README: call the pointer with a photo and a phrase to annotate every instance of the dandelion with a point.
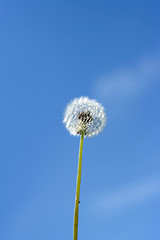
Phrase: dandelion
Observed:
(83, 117)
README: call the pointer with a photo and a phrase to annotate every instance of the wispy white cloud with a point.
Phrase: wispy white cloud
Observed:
(130, 82)
(128, 196)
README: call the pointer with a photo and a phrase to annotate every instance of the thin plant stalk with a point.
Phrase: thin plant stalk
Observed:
(76, 209)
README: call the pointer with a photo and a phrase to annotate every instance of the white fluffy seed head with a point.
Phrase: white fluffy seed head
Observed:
(84, 115)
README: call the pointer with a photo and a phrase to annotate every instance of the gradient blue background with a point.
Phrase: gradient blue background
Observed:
(50, 53)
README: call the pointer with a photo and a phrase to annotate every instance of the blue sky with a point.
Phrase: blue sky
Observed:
(50, 53)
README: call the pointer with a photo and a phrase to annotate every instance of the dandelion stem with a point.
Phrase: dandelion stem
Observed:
(76, 209)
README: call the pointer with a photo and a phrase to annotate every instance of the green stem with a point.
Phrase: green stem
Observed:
(76, 209)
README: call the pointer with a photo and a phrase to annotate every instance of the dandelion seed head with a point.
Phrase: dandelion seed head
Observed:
(84, 115)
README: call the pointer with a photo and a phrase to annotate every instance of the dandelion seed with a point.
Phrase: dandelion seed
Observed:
(84, 115)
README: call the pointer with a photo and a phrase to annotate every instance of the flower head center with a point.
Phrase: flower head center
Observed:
(85, 117)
